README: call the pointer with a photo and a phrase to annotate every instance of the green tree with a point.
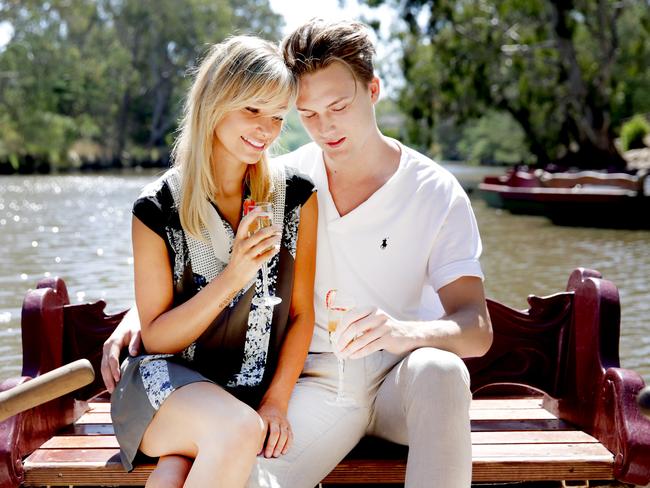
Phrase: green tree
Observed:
(565, 70)
(113, 72)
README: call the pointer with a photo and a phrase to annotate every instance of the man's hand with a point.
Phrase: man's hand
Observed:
(278, 436)
(127, 334)
(366, 330)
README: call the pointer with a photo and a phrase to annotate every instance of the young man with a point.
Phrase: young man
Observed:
(396, 232)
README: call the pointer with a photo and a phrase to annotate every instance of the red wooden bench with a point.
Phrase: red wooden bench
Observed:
(550, 400)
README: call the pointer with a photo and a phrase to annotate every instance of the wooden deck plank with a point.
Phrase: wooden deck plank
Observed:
(94, 417)
(516, 437)
(491, 463)
(577, 452)
(477, 426)
(480, 403)
(513, 440)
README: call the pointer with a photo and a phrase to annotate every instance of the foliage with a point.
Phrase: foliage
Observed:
(633, 132)
(113, 72)
(293, 134)
(492, 139)
(567, 71)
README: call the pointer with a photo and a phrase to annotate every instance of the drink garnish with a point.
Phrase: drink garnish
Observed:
(329, 298)
(248, 204)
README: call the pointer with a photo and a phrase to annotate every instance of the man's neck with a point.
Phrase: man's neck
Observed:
(356, 178)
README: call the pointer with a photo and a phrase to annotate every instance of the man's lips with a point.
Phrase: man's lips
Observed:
(258, 145)
(336, 143)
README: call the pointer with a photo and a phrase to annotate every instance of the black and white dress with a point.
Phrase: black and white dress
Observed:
(239, 350)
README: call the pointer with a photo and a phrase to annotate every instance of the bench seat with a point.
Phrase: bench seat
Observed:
(512, 440)
(551, 402)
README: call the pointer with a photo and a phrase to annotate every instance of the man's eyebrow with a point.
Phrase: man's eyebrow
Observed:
(338, 100)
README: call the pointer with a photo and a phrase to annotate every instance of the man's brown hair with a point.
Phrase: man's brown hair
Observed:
(317, 43)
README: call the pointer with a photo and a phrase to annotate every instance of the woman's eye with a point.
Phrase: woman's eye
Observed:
(252, 110)
(278, 118)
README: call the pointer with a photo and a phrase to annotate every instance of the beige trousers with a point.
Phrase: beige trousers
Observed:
(421, 401)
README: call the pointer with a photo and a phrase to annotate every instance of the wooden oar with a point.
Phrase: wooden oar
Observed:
(644, 401)
(46, 387)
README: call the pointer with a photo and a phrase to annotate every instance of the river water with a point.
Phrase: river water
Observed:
(78, 227)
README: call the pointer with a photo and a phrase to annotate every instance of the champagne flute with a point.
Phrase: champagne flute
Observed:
(338, 303)
(264, 219)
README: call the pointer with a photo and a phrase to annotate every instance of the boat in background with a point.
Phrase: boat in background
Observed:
(583, 199)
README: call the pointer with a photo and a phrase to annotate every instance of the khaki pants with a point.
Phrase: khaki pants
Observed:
(421, 401)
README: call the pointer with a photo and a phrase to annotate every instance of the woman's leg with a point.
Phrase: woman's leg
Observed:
(170, 472)
(204, 422)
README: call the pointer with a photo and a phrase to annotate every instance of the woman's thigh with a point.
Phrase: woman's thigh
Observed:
(195, 413)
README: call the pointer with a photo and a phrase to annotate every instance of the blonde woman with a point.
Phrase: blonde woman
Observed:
(213, 388)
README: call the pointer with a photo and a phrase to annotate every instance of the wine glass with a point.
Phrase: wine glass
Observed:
(338, 303)
(264, 219)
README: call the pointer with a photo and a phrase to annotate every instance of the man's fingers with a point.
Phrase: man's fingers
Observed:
(374, 346)
(107, 375)
(362, 341)
(134, 343)
(356, 322)
(274, 435)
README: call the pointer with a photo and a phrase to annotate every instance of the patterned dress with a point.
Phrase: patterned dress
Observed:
(239, 350)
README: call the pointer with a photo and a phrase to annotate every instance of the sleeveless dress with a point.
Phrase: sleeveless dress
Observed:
(239, 350)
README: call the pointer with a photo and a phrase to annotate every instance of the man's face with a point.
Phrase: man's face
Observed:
(337, 110)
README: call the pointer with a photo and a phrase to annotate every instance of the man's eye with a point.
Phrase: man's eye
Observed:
(253, 110)
(309, 116)
(339, 109)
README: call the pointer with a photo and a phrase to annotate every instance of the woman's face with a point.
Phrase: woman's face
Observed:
(243, 135)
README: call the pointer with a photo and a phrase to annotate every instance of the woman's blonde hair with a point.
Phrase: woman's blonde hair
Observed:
(238, 72)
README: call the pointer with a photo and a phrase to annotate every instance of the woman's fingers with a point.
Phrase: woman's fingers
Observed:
(274, 436)
(285, 441)
(246, 223)
(266, 431)
(279, 438)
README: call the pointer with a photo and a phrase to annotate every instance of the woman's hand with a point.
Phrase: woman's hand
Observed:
(249, 253)
(278, 436)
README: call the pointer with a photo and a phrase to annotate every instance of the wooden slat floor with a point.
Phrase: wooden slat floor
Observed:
(512, 440)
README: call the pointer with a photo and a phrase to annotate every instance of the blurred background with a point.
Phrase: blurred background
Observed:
(91, 91)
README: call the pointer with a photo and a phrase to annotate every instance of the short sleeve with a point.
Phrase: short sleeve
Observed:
(299, 187)
(148, 208)
(457, 247)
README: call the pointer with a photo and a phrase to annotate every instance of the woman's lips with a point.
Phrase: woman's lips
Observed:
(254, 144)
(337, 143)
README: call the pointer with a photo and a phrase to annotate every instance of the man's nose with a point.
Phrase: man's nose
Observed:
(326, 125)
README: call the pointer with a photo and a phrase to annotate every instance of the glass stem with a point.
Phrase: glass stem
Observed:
(339, 389)
(265, 285)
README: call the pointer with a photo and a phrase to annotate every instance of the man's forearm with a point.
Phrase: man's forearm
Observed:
(467, 332)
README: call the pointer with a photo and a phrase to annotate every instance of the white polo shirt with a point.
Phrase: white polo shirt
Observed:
(414, 235)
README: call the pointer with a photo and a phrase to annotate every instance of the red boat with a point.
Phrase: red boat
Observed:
(587, 198)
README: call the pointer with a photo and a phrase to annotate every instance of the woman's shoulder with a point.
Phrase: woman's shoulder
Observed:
(155, 202)
(160, 186)
(299, 185)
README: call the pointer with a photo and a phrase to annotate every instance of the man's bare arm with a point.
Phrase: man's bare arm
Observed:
(126, 334)
(465, 329)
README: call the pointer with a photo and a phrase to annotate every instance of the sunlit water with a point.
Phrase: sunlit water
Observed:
(78, 227)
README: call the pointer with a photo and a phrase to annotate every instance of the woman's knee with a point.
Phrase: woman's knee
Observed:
(239, 434)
